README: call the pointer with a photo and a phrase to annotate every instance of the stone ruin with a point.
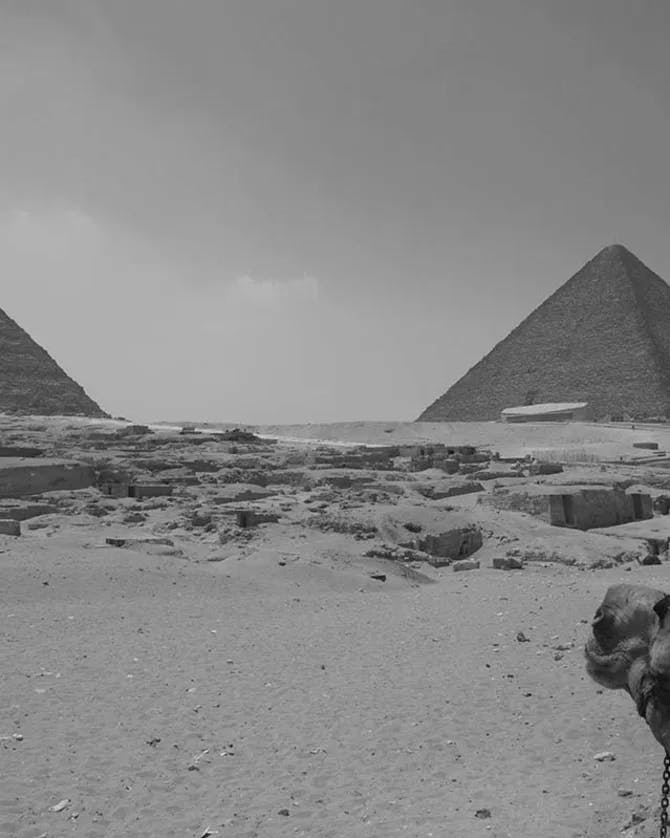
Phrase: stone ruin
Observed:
(578, 507)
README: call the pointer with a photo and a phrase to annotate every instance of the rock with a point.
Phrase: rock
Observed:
(508, 563)
(135, 518)
(466, 564)
(9, 527)
(455, 543)
(31, 477)
(448, 489)
(19, 451)
(483, 813)
(22, 511)
(134, 430)
(448, 464)
(489, 474)
(252, 518)
(284, 812)
(58, 807)
(625, 792)
(201, 518)
(521, 637)
(238, 435)
(544, 468)
(235, 492)
(650, 559)
(604, 756)
(135, 542)
(380, 577)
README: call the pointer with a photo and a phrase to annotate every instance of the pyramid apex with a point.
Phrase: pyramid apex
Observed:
(615, 249)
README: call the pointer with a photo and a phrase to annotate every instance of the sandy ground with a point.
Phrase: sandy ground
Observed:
(281, 691)
(163, 698)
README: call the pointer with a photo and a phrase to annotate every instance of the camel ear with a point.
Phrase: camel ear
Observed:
(662, 606)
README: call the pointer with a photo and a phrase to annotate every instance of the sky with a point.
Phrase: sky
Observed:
(288, 211)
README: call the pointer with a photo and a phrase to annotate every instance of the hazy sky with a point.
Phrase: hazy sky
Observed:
(316, 210)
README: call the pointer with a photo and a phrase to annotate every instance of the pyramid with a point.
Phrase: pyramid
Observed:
(603, 338)
(32, 382)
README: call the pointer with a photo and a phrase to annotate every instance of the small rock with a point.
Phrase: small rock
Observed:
(635, 820)
(18, 737)
(521, 637)
(508, 563)
(483, 813)
(58, 807)
(466, 564)
(625, 792)
(380, 577)
(604, 756)
(284, 812)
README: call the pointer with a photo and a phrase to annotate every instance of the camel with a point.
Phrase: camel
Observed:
(629, 649)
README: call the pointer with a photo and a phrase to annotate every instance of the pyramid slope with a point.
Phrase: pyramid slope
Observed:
(32, 382)
(603, 338)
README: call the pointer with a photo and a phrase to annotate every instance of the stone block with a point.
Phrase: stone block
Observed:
(457, 543)
(466, 564)
(149, 490)
(544, 468)
(252, 518)
(20, 477)
(9, 527)
(235, 492)
(508, 563)
(447, 464)
(23, 511)
(19, 451)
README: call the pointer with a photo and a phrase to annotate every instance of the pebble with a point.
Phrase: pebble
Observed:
(604, 756)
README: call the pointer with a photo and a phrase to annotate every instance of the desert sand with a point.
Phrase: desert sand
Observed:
(263, 682)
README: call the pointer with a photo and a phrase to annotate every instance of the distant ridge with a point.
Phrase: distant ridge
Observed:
(32, 382)
(603, 338)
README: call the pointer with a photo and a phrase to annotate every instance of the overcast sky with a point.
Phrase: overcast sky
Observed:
(316, 210)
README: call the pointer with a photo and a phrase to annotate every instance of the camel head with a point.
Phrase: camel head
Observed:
(629, 649)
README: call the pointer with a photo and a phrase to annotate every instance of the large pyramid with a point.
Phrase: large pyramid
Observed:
(602, 338)
(32, 382)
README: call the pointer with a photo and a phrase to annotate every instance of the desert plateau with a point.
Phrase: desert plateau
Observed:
(361, 629)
